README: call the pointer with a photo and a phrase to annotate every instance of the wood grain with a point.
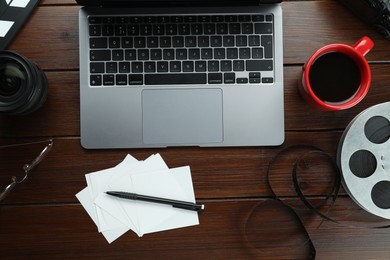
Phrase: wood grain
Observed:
(42, 219)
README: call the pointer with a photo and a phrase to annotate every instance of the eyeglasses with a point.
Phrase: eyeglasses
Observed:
(27, 167)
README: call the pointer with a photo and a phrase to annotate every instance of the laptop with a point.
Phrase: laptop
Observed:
(167, 73)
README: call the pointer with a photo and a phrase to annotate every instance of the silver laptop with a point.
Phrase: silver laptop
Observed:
(181, 73)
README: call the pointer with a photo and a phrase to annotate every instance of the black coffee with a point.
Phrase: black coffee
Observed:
(334, 77)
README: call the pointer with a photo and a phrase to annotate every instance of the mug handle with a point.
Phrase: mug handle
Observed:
(364, 45)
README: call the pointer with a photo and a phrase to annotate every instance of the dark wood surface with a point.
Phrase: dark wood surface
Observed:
(42, 218)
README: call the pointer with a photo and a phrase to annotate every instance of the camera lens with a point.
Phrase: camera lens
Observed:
(23, 86)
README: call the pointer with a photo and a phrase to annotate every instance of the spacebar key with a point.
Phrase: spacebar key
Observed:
(175, 79)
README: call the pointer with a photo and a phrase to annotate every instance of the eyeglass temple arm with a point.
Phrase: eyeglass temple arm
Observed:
(8, 188)
(40, 157)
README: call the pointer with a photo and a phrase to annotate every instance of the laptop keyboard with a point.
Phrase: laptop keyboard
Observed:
(181, 50)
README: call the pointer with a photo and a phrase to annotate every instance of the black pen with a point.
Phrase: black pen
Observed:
(173, 203)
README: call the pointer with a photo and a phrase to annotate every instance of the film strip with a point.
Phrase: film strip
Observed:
(13, 14)
(299, 173)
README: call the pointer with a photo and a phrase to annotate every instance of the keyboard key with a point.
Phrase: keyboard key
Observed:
(140, 42)
(232, 53)
(188, 66)
(203, 41)
(107, 30)
(156, 54)
(229, 78)
(137, 67)
(242, 80)
(178, 41)
(226, 65)
(162, 66)
(96, 80)
(121, 79)
(196, 29)
(136, 79)
(241, 41)
(98, 43)
(152, 42)
(244, 18)
(190, 41)
(184, 29)
(150, 66)
(95, 30)
(100, 55)
(209, 28)
(267, 80)
(166, 42)
(127, 42)
(124, 67)
(258, 18)
(259, 65)
(94, 20)
(254, 40)
(219, 53)
(263, 28)
(175, 66)
(130, 55)
(143, 54)
(216, 41)
(190, 19)
(168, 54)
(257, 53)
(215, 78)
(175, 79)
(133, 30)
(231, 18)
(266, 42)
(228, 41)
(213, 65)
(200, 66)
(207, 54)
(117, 55)
(217, 18)
(254, 80)
(194, 54)
(114, 42)
(96, 67)
(111, 67)
(234, 28)
(120, 30)
(181, 54)
(158, 29)
(238, 65)
(171, 29)
(222, 28)
(108, 80)
(145, 29)
(244, 53)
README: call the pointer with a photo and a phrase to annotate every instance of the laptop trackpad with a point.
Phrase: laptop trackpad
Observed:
(182, 116)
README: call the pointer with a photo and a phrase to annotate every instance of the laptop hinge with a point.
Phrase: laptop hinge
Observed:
(172, 3)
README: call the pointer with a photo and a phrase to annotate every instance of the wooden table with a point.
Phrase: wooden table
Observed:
(42, 218)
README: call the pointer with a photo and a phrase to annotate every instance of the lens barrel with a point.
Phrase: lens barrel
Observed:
(23, 85)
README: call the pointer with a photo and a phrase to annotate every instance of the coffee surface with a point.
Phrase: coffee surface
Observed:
(334, 77)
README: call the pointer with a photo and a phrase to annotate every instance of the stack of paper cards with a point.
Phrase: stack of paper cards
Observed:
(115, 216)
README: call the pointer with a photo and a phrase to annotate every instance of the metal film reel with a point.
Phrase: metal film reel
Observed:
(364, 159)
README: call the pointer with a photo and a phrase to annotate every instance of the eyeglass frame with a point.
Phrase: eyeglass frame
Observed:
(27, 167)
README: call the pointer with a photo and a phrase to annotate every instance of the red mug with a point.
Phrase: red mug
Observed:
(337, 76)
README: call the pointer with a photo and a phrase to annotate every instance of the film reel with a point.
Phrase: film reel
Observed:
(363, 157)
